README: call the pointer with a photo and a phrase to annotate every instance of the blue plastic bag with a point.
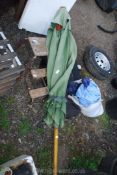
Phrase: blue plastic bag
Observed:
(88, 93)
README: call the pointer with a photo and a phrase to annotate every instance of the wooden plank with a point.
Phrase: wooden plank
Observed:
(6, 64)
(38, 73)
(7, 85)
(4, 42)
(38, 46)
(40, 92)
(9, 79)
(7, 57)
(10, 72)
(3, 91)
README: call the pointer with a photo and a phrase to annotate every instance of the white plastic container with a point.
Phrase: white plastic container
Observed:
(93, 110)
(38, 14)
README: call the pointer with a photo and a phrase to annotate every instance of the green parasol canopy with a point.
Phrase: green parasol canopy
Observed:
(61, 58)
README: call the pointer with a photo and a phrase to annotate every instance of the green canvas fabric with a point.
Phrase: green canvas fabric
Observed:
(62, 53)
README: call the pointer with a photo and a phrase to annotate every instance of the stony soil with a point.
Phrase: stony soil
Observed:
(82, 134)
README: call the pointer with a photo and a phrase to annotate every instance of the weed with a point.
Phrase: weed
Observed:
(90, 162)
(69, 129)
(10, 100)
(4, 109)
(25, 127)
(4, 120)
(104, 120)
(44, 157)
(7, 152)
(40, 130)
(84, 73)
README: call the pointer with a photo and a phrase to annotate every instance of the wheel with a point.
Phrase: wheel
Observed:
(98, 63)
(111, 108)
(103, 4)
(107, 5)
(109, 165)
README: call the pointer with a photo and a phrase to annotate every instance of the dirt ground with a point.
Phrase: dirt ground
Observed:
(26, 132)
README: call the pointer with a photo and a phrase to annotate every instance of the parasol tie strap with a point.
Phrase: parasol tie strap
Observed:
(58, 98)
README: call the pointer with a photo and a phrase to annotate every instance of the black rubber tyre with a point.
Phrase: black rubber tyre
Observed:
(111, 108)
(93, 67)
(103, 4)
(107, 5)
(109, 165)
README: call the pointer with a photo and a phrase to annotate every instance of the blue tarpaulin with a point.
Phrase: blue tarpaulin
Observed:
(88, 93)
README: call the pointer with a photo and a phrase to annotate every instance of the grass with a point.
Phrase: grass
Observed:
(44, 158)
(4, 120)
(104, 120)
(24, 127)
(85, 73)
(69, 129)
(90, 162)
(10, 100)
(40, 131)
(4, 110)
(7, 152)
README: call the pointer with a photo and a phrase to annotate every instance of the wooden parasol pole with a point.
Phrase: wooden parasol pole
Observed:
(55, 166)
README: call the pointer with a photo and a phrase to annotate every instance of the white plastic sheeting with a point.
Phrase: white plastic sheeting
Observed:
(38, 14)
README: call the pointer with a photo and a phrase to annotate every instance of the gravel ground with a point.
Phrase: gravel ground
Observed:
(81, 133)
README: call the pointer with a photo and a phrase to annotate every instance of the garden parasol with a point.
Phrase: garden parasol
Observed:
(62, 52)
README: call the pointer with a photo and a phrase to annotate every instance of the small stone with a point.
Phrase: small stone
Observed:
(79, 67)
(14, 122)
(97, 121)
(86, 135)
(35, 110)
(30, 106)
(3, 142)
(19, 140)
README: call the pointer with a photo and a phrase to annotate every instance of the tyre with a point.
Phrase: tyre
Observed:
(98, 63)
(111, 108)
(103, 4)
(114, 82)
(109, 165)
(107, 5)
